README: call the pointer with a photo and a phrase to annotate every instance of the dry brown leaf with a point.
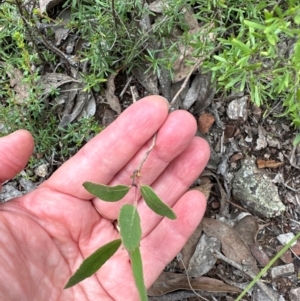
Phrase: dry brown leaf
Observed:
(268, 163)
(247, 229)
(110, 96)
(190, 247)
(51, 81)
(205, 121)
(224, 198)
(180, 66)
(233, 246)
(21, 88)
(204, 259)
(169, 282)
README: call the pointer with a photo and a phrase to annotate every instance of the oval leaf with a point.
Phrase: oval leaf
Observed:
(130, 227)
(155, 203)
(94, 262)
(138, 275)
(107, 193)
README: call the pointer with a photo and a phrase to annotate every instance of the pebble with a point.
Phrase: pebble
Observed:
(285, 238)
(41, 170)
(238, 109)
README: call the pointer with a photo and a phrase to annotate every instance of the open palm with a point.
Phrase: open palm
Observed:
(46, 234)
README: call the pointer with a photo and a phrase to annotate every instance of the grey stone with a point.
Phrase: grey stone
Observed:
(255, 191)
(286, 238)
(282, 271)
(9, 191)
(295, 294)
(238, 109)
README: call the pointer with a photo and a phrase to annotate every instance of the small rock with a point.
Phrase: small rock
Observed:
(41, 170)
(238, 109)
(255, 190)
(205, 122)
(285, 238)
(282, 270)
(27, 184)
(9, 191)
(295, 294)
(261, 141)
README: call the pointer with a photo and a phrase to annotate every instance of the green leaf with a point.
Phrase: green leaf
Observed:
(240, 45)
(254, 25)
(94, 262)
(130, 227)
(107, 193)
(220, 58)
(137, 270)
(155, 203)
(297, 140)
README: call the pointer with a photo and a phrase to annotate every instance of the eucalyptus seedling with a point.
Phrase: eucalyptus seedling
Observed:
(130, 228)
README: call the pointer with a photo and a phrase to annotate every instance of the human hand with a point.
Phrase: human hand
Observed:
(46, 234)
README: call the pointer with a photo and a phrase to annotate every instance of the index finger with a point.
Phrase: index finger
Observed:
(107, 153)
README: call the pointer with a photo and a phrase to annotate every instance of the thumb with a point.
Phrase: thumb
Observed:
(15, 151)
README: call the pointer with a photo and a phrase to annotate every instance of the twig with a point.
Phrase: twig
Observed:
(196, 65)
(148, 152)
(243, 268)
(188, 278)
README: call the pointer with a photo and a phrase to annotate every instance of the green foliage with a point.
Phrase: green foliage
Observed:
(30, 110)
(107, 193)
(94, 262)
(155, 203)
(260, 51)
(130, 228)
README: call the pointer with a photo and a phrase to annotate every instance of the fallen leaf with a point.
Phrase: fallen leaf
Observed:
(169, 282)
(233, 246)
(190, 247)
(203, 259)
(51, 81)
(247, 228)
(205, 122)
(268, 163)
(16, 82)
(110, 96)
(259, 254)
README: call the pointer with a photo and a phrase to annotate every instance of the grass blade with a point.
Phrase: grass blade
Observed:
(267, 267)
